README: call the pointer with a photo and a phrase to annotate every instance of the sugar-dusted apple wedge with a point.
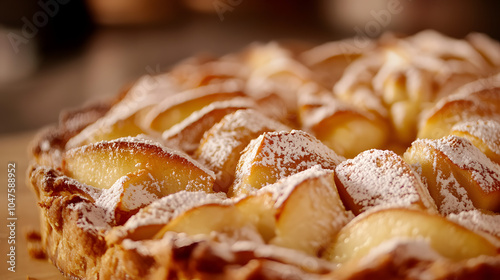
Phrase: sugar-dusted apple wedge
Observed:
(458, 175)
(373, 228)
(187, 134)
(308, 210)
(146, 223)
(479, 221)
(474, 101)
(380, 178)
(101, 164)
(177, 107)
(221, 146)
(276, 155)
(207, 217)
(484, 134)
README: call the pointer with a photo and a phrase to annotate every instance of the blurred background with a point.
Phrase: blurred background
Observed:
(56, 54)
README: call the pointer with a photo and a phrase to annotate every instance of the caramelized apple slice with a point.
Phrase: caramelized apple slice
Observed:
(276, 155)
(477, 100)
(101, 164)
(187, 134)
(222, 145)
(346, 130)
(181, 105)
(457, 174)
(380, 178)
(484, 134)
(309, 211)
(373, 228)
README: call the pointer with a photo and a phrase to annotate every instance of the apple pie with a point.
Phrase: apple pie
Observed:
(284, 162)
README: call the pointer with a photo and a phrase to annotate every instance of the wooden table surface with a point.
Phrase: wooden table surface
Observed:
(13, 148)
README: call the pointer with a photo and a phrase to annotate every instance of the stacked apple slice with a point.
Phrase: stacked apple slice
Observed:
(374, 228)
(276, 155)
(306, 210)
(181, 105)
(339, 125)
(134, 172)
(483, 134)
(458, 175)
(380, 178)
(221, 146)
(302, 212)
(477, 100)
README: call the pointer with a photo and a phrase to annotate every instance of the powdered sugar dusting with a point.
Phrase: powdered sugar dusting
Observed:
(137, 144)
(455, 197)
(130, 196)
(167, 208)
(285, 153)
(93, 219)
(236, 103)
(110, 198)
(229, 137)
(377, 177)
(476, 220)
(137, 196)
(488, 131)
(469, 158)
(282, 189)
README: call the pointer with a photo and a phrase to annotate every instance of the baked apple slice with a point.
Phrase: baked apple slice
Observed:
(206, 219)
(276, 155)
(479, 221)
(181, 105)
(458, 175)
(301, 212)
(308, 209)
(380, 178)
(120, 122)
(474, 101)
(373, 228)
(146, 223)
(221, 146)
(484, 134)
(101, 164)
(187, 134)
(346, 130)
(260, 211)
(206, 216)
